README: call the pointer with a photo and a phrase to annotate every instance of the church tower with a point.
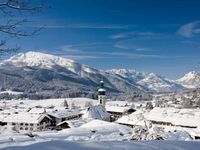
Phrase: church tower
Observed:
(102, 94)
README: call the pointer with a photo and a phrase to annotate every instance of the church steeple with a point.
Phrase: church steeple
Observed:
(102, 94)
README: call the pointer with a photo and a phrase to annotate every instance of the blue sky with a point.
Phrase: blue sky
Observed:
(161, 36)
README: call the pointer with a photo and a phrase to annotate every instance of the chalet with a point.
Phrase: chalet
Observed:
(58, 116)
(27, 122)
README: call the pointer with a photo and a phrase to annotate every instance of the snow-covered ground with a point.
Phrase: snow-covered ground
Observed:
(110, 145)
(90, 132)
(78, 102)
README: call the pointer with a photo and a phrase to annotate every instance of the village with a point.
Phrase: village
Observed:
(143, 120)
(99, 75)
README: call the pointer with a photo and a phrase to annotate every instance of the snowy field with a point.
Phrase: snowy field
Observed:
(79, 102)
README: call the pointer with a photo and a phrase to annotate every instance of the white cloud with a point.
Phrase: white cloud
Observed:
(190, 29)
(91, 45)
(132, 34)
(80, 57)
(129, 46)
(79, 48)
(142, 49)
(108, 55)
(68, 48)
(120, 36)
(122, 45)
(133, 55)
(90, 26)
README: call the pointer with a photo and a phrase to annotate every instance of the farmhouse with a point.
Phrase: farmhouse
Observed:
(28, 122)
(187, 118)
(58, 116)
(132, 120)
(118, 111)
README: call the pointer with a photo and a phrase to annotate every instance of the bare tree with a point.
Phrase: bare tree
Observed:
(149, 105)
(11, 25)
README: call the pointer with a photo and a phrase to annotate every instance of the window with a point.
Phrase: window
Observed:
(13, 124)
(31, 124)
(21, 128)
(101, 101)
(21, 124)
(31, 129)
(26, 124)
(26, 128)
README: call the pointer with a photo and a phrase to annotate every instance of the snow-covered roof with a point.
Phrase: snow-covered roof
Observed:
(74, 123)
(179, 117)
(135, 118)
(64, 113)
(118, 106)
(2, 116)
(120, 109)
(24, 118)
(96, 112)
(119, 103)
(39, 110)
(97, 123)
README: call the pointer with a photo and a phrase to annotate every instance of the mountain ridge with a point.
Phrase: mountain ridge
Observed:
(61, 74)
(190, 80)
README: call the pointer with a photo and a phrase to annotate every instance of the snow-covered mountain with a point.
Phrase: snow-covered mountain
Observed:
(128, 74)
(47, 75)
(190, 80)
(159, 84)
(151, 82)
(123, 77)
(36, 72)
(47, 61)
